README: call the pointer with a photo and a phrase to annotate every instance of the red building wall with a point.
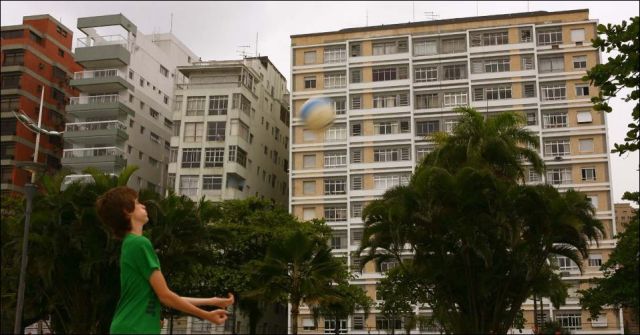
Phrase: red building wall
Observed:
(38, 70)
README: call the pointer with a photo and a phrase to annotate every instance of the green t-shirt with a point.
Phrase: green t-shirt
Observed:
(138, 310)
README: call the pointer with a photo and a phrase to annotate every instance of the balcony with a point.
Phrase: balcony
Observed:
(96, 132)
(103, 51)
(108, 159)
(103, 106)
(107, 80)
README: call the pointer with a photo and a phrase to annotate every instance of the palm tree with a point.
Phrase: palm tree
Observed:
(342, 301)
(298, 268)
(472, 225)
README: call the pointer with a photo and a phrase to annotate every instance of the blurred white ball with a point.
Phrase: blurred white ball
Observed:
(317, 113)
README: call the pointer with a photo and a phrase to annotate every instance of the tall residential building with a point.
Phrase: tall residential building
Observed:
(36, 55)
(231, 131)
(123, 116)
(394, 84)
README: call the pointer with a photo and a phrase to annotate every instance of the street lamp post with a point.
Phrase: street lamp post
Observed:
(30, 190)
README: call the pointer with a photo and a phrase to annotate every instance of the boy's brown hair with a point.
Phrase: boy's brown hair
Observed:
(114, 207)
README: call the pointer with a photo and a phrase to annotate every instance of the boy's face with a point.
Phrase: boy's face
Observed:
(139, 213)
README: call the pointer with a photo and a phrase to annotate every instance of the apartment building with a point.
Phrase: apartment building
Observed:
(123, 115)
(36, 56)
(231, 131)
(394, 84)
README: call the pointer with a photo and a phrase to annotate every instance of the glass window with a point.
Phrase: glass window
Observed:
(577, 35)
(216, 131)
(586, 145)
(309, 161)
(212, 182)
(580, 62)
(309, 57)
(196, 106)
(218, 104)
(193, 131)
(309, 187)
(189, 185)
(310, 82)
(191, 157)
(213, 157)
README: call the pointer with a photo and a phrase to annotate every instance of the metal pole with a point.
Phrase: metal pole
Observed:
(30, 190)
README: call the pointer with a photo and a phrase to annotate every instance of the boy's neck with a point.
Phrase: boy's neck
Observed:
(136, 228)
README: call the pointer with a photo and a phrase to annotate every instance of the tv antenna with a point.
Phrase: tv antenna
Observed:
(242, 51)
(431, 16)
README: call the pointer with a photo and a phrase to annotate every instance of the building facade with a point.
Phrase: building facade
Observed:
(393, 85)
(231, 131)
(36, 55)
(123, 115)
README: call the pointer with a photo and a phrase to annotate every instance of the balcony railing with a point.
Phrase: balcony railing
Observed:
(102, 40)
(93, 152)
(95, 99)
(95, 74)
(96, 125)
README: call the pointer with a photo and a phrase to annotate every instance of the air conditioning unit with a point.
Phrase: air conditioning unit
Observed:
(565, 274)
(558, 158)
(579, 43)
(555, 46)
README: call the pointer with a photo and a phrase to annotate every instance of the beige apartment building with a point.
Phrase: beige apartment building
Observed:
(394, 84)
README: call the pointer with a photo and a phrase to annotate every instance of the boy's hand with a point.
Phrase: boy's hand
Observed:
(218, 317)
(224, 302)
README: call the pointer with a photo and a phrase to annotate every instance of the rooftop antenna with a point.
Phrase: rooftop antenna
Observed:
(431, 16)
(243, 50)
(171, 24)
(256, 44)
(367, 18)
(413, 4)
(476, 8)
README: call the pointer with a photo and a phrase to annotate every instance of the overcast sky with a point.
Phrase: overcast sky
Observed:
(218, 30)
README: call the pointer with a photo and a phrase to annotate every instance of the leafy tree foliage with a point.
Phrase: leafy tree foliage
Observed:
(621, 71)
(340, 302)
(471, 224)
(619, 287)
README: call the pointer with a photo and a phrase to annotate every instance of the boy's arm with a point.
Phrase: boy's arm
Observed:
(215, 301)
(170, 299)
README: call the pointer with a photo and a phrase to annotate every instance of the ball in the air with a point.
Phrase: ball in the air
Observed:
(317, 113)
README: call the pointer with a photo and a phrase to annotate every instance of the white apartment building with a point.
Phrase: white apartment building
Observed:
(231, 131)
(394, 84)
(123, 114)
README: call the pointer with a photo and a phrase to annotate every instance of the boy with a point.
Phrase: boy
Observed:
(142, 284)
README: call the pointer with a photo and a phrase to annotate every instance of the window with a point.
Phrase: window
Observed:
(195, 106)
(526, 62)
(191, 157)
(557, 148)
(570, 320)
(335, 133)
(141, 81)
(212, 182)
(559, 176)
(594, 200)
(335, 55)
(335, 186)
(310, 82)
(454, 72)
(426, 74)
(498, 93)
(309, 187)
(308, 324)
(585, 145)
(390, 100)
(529, 90)
(356, 102)
(10, 34)
(356, 129)
(385, 74)
(553, 92)
(424, 128)
(309, 57)
(579, 62)
(532, 118)
(577, 35)
(525, 35)
(425, 48)
(497, 65)
(60, 52)
(358, 322)
(533, 176)
(550, 37)
(193, 131)
(551, 64)
(582, 90)
(451, 99)
(384, 182)
(356, 212)
(142, 129)
(595, 260)
(213, 157)
(340, 105)
(356, 182)
(154, 113)
(356, 76)
(13, 57)
(10, 80)
(584, 117)
(588, 174)
(334, 159)
(242, 103)
(356, 155)
(308, 213)
(333, 213)
(390, 47)
(555, 120)
(189, 185)
(489, 38)
(425, 101)
(335, 80)
(355, 49)
(391, 154)
(384, 323)
(164, 71)
(154, 137)
(218, 104)
(309, 161)
(236, 154)
(177, 103)
(453, 45)
(308, 135)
